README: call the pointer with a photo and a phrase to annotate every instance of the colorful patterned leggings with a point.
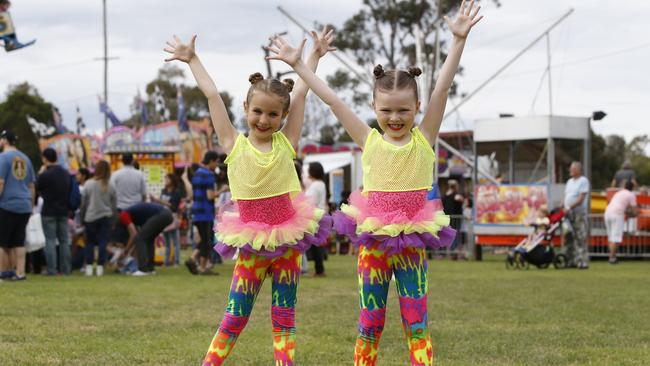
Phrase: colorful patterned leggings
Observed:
(375, 271)
(248, 275)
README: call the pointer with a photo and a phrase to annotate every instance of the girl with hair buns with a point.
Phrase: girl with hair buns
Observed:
(391, 221)
(272, 224)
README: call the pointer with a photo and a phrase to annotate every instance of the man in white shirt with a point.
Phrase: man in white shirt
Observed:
(575, 205)
(129, 184)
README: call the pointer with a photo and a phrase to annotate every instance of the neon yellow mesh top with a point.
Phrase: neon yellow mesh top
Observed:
(391, 168)
(253, 174)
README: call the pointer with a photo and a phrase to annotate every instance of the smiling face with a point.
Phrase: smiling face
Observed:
(264, 114)
(395, 110)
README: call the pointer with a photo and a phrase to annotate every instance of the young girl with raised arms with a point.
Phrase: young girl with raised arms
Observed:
(391, 221)
(273, 224)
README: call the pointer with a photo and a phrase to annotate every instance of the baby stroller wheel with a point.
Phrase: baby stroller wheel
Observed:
(560, 261)
(510, 262)
(543, 265)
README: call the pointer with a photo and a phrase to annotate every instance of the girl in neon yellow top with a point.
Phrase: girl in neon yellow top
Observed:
(272, 224)
(391, 220)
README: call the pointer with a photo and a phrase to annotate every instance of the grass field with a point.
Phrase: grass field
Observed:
(480, 314)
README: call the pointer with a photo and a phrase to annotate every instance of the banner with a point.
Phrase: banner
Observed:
(193, 143)
(509, 204)
(73, 151)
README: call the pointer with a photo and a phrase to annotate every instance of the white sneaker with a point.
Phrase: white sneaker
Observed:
(139, 273)
(100, 271)
(89, 270)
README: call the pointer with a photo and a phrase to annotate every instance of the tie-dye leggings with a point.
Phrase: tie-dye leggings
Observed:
(248, 275)
(375, 271)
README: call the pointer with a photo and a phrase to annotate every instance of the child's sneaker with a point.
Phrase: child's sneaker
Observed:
(89, 270)
(100, 271)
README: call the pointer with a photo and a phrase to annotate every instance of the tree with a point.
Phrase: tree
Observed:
(169, 78)
(23, 99)
(385, 31)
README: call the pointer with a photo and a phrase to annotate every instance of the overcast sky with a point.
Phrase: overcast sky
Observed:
(600, 53)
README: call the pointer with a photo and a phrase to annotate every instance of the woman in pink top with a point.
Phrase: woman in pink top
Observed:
(615, 217)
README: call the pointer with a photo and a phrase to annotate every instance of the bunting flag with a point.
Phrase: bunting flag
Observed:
(58, 121)
(80, 122)
(144, 113)
(104, 108)
(182, 115)
(159, 102)
(40, 129)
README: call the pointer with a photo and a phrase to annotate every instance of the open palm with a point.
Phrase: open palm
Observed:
(323, 41)
(179, 50)
(284, 51)
(466, 19)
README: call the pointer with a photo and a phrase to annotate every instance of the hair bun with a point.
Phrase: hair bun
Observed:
(379, 72)
(289, 84)
(255, 78)
(415, 71)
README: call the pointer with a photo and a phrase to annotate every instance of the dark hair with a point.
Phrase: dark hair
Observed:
(127, 159)
(174, 181)
(9, 136)
(50, 155)
(84, 173)
(298, 165)
(222, 177)
(629, 185)
(316, 170)
(396, 80)
(274, 86)
(210, 156)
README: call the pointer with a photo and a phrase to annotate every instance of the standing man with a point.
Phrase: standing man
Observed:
(203, 193)
(575, 205)
(129, 184)
(16, 202)
(53, 185)
(626, 173)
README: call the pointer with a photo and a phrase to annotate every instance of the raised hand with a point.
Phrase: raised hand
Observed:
(284, 51)
(323, 42)
(180, 51)
(465, 21)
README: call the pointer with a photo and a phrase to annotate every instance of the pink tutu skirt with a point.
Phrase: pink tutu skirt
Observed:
(270, 226)
(394, 219)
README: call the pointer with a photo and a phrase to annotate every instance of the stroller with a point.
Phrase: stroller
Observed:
(538, 249)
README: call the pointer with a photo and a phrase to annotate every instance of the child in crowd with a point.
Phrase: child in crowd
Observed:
(391, 220)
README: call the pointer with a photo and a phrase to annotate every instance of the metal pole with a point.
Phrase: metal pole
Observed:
(467, 160)
(548, 70)
(269, 73)
(105, 65)
(366, 79)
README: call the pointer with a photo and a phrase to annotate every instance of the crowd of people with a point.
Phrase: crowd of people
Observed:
(93, 220)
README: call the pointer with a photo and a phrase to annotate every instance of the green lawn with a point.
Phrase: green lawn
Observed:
(480, 314)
